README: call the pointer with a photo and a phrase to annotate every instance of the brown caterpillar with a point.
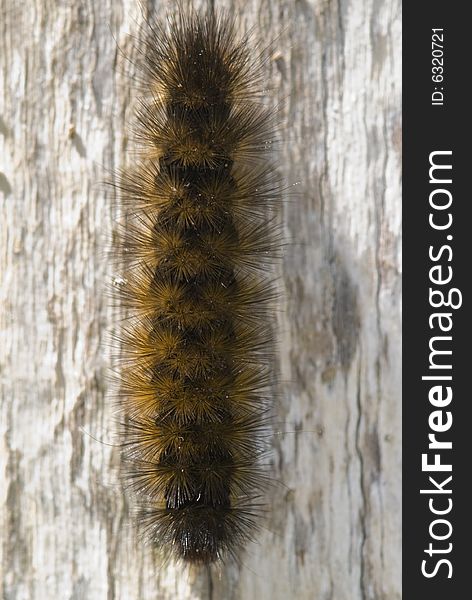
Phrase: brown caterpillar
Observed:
(197, 347)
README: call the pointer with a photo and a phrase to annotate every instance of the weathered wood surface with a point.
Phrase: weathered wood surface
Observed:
(334, 527)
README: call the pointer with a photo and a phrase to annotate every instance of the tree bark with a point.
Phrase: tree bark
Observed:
(334, 524)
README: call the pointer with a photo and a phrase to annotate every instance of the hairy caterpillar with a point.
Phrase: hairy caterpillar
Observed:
(197, 347)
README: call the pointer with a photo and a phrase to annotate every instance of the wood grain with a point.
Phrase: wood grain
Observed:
(333, 530)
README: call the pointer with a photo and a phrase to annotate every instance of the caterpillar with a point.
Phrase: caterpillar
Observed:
(198, 241)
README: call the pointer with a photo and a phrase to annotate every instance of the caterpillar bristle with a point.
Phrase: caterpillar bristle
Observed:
(198, 234)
